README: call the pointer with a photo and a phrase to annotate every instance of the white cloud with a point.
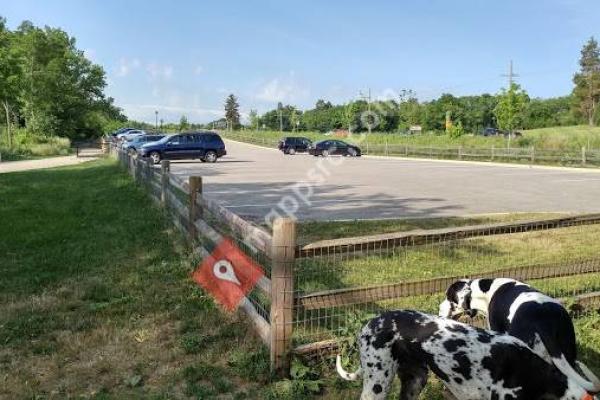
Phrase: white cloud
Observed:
(283, 89)
(157, 71)
(145, 112)
(199, 70)
(126, 66)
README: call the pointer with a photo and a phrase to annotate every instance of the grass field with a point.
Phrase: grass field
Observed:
(96, 301)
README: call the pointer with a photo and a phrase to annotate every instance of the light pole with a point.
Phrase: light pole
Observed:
(156, 122)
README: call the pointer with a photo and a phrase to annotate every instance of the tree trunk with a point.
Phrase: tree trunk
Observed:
(7, 110)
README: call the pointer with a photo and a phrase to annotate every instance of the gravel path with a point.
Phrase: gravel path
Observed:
(14, 166)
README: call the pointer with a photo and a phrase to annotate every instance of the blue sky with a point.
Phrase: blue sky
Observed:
(184, 57)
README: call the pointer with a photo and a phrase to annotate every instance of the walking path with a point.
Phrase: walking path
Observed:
(50, 162)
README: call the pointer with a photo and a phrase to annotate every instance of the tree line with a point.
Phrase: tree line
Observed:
(510, 109)
(49, 87)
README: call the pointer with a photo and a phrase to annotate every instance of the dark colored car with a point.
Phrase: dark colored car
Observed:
(206, 146)
(133, 146)
(334, 147)
(492, 132)
(293, 145)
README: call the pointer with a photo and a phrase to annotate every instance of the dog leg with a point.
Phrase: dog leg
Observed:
(379, 371)
(413, 382)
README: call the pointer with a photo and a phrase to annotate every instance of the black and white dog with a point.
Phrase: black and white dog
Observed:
(473, 363)
(518, 309)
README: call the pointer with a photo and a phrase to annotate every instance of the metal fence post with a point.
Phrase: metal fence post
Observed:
(165, 167)
(583, 156)
(282, 293)
(532, 154)
(195, 210)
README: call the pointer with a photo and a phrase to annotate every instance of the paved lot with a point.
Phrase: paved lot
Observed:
(252, 181)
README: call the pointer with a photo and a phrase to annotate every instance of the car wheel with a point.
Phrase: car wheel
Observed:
(210, 156)
(352, 152)
(292, 151)
(325, 153)
(155, 157)
(202, 160)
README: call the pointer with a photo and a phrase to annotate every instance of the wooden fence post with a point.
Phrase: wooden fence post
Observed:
(165, 167)
(195, 210)
(532, 155)
(282, 293)
(460, 153)
(583, 156)
(493, 151)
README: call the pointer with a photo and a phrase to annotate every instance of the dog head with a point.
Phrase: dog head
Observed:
(458, 300)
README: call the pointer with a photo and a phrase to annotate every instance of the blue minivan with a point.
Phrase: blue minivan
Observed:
(205, 146)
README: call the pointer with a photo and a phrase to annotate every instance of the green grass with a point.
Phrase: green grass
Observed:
(26, 146)
(96, 300)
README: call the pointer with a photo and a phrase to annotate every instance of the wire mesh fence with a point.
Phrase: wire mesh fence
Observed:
(337, 290)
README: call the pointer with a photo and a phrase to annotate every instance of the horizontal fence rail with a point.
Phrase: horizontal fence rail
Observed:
(344, 297)
(419, 237)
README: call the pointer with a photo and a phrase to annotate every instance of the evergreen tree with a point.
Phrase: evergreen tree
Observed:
(586, 93)
(183, 123)
(232, 112)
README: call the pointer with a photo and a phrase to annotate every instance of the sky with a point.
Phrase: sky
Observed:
(184, 57)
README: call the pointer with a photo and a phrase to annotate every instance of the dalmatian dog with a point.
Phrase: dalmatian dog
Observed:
(519, 310)
(473, 363)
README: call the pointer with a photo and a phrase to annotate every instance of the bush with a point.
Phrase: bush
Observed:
(26, 145)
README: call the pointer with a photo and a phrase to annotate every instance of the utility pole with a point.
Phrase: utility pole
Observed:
(368, 99)
(156, 122)
(280, 120)
(511, 75)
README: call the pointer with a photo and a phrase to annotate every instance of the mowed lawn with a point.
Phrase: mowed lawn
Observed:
(96, 299)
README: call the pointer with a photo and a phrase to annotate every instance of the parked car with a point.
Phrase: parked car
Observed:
(491, 132)
(334, 147)
(206, 146)
(126, 132)
(133, 145)
(121, 130)
(293, 145)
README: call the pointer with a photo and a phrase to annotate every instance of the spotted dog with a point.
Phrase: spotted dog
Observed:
(518, 309)
(473, 363)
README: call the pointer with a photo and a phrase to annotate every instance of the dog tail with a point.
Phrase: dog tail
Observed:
(349, 376)
(591, 384)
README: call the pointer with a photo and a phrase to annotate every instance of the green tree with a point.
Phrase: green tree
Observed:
(511, 107)
(586, 93)
(232, 112)
(254, 119)
(183, 123)
(10, 74)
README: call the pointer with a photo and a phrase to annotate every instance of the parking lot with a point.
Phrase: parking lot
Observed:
(252, 181)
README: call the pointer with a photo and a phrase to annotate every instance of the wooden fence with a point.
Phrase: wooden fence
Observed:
(274, 309)
(188, 209)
